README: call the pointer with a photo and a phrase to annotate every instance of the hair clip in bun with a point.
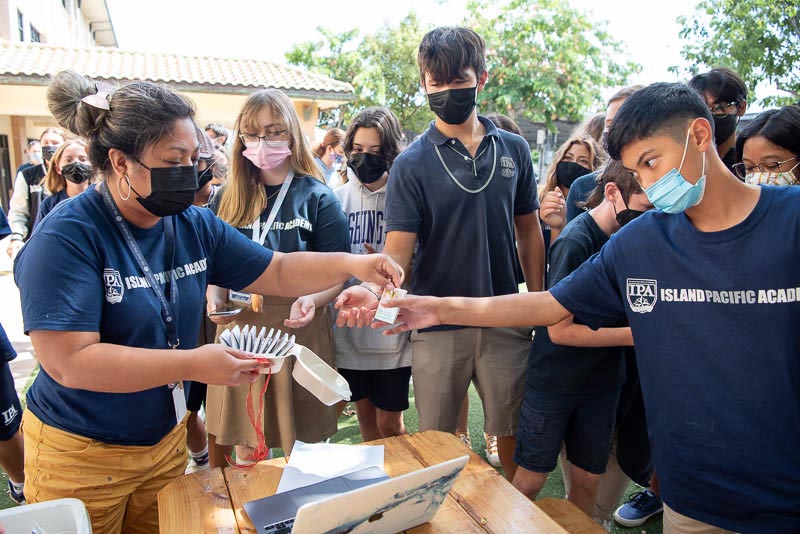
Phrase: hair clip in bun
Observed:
(100, 98)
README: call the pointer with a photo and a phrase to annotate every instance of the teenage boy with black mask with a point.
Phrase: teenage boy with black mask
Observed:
(465, 191)
(726, 96)
(722, 401)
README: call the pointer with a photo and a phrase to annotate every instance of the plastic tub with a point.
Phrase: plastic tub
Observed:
(61, 516)
(276, 361)
(320, 379)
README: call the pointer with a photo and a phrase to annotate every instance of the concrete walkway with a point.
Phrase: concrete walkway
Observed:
(11, 319)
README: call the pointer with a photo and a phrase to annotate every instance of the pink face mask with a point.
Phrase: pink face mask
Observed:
(268, 155)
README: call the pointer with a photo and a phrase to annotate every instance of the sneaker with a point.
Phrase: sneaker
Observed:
(640, 507)
(195, 466)
(491, 450)
(465, 439)
(15, 496)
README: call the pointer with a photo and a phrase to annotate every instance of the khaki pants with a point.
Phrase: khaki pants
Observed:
(675, 523)
(444, 363)
(117, 483)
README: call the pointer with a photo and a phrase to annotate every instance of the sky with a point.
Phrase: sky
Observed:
(267, 29)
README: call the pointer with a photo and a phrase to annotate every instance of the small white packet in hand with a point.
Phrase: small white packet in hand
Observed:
(389, 315)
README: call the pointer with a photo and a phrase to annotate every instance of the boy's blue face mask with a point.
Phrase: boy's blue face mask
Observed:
(672, 193)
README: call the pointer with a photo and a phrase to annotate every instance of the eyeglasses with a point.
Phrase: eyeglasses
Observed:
(743, 170)
(248, 139)
(723, 110)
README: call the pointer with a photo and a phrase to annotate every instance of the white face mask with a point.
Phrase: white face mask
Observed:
(773, 178)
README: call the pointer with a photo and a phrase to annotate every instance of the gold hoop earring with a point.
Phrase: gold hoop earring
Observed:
(119, 188)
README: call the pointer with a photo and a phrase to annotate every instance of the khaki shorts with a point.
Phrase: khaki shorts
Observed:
(117, 483)
(675, 523)
(290, 412)
(494, 359)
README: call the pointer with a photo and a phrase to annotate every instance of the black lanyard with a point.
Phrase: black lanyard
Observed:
(170, 319)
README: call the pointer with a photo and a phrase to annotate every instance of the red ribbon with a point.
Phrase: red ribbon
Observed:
(261, 452)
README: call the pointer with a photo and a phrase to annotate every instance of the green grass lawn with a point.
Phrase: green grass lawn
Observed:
(348, 434)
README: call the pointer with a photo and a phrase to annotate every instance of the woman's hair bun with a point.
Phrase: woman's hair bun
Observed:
(65, 99)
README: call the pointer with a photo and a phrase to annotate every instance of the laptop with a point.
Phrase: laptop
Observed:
(364, 502)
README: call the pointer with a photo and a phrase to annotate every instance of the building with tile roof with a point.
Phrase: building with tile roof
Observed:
(86, 43)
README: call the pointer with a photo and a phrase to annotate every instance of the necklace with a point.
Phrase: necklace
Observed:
(273, 195)
(459, 184)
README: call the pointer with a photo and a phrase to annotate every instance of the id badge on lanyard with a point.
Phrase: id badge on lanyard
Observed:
(170, 319)
(178, 400)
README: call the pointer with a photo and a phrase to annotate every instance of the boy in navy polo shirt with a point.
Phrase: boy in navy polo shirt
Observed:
(710, 287)
(465, 191)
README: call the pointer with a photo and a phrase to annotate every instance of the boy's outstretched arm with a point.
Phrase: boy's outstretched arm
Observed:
(520, 309)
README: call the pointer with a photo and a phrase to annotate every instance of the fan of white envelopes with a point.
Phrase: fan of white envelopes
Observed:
(275, 344)
(310, 371)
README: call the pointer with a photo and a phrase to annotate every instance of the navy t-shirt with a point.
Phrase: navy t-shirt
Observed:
(578, 193)
(310, 218)
(553, 367)
(7, 352)
(714, 317)
(76, 273)
(48, 204)
(466, 241)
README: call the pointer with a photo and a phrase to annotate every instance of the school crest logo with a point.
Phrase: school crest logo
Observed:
(642, 294)
(507, 167)
(9, 415)
(114, 287)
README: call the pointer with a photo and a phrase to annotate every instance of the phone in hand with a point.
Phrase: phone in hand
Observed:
(227, 311)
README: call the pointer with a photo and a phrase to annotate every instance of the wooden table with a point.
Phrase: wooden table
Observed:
(481, 499)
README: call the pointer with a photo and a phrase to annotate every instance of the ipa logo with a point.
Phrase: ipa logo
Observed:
(642, 294)
(9, 415)
(114, 287)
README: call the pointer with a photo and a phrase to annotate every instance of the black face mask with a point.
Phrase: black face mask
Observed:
(204, 177)
(569, 171)
(369, 168)
(453, 106)
(48, 152)
(77, 172)
(172, 189)
(724, 128)
(604, 140)
(627, 215)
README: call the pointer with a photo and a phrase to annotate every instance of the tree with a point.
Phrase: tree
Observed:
(391, 78)
(759, 39)
(382, 68)
(546, 60)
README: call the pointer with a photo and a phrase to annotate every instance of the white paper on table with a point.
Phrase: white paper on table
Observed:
(310, 463)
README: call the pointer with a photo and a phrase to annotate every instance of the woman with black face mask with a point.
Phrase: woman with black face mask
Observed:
(69, 175)
(112, 285)
(577, 157)
(377, 367)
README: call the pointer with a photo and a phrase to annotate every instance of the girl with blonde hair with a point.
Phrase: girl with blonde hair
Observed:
(276, 197)
(69, 175)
